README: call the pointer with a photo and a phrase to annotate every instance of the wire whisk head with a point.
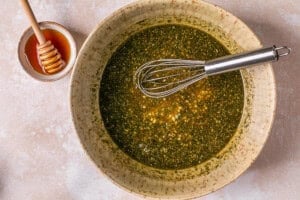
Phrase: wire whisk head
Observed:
(161, 78)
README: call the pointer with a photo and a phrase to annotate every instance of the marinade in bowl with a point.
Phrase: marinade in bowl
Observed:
(179, 131)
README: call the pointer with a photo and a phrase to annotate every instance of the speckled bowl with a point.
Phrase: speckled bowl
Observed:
(204, 178)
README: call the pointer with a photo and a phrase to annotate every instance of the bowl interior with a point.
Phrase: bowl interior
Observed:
(206, 177)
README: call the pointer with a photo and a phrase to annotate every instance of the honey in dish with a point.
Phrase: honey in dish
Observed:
(59, 41)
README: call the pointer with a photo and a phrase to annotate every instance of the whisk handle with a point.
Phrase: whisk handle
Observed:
(235, 62)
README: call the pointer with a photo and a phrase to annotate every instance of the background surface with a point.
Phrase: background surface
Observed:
(40, 155)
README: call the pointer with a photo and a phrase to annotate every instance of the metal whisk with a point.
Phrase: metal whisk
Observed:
(161, 78)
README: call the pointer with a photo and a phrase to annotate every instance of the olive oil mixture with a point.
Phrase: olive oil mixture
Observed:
(181, 130)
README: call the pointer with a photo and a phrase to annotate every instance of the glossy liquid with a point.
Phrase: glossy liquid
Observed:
(58, 40)
(183, 129)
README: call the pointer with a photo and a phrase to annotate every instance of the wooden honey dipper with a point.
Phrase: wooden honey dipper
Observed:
(48, 56)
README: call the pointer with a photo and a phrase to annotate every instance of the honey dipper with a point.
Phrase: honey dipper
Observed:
(48, 56)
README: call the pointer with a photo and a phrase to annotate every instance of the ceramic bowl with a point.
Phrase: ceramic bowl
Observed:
(26, 64)
(133, 176)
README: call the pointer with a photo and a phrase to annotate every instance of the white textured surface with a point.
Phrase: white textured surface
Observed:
(40, 153)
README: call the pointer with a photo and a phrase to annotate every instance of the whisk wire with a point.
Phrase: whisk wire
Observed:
(163, 77)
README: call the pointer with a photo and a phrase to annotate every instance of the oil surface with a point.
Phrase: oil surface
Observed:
(58, 40)
(181, 130)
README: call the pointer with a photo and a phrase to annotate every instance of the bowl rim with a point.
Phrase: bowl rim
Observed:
(130, 6)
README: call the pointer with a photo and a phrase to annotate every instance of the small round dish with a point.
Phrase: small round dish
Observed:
(26, 64)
